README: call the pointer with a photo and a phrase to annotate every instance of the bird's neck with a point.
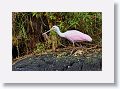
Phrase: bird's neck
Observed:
(60, 33)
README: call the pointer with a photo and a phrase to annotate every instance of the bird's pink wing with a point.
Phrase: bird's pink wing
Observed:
(75, 36)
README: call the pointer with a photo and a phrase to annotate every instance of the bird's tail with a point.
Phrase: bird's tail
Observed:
(88, 38)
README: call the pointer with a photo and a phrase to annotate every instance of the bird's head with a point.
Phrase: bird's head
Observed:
(54, 28)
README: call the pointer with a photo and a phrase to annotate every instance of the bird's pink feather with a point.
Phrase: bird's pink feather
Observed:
(75, 36)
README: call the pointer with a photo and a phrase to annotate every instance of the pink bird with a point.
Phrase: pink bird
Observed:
(71, 35)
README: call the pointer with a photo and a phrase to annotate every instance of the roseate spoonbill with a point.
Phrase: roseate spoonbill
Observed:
(71, 35)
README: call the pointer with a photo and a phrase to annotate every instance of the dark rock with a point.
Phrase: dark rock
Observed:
(49, 62)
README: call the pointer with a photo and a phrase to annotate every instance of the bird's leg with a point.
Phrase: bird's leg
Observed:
(73, 48)
(79, 45)
(73, 44)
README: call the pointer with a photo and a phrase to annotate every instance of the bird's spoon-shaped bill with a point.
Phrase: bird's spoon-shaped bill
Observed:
(47, 31)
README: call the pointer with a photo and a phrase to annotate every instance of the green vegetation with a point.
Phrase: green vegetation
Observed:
(27, 29)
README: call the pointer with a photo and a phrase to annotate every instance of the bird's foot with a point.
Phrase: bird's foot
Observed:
(79, 45)
(73, 51)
